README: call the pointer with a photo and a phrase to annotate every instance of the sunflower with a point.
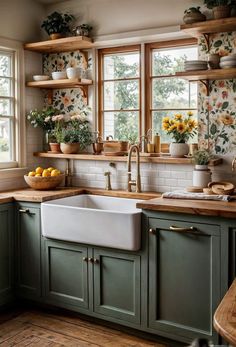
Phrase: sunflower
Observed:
(178, 116)
(166, 120)
(165, 126)
(190, 113)
(181, 128)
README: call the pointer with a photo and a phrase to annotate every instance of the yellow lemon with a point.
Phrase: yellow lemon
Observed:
(31, 173)
(55, 173)
(39, 170)
(50, 169)
(38, 175)
(45, 173)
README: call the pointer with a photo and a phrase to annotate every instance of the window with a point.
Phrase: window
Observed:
(10, 126)
(168, 95)
(119, 93)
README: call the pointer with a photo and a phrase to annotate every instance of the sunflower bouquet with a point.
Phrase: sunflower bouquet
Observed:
(179, 127)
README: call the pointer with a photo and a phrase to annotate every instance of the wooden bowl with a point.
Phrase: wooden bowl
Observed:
(44, 183)
(222, 188)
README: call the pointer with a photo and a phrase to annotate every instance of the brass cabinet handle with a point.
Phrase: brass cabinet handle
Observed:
(90, 260)
(152, 231)
(24, 210)
(96, 261)
(85, 259)
(181, 230)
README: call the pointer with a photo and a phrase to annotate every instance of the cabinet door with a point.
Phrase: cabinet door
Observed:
(117, 285)
(6, 253)
(28, 251)
(66, 273)
(184, 278)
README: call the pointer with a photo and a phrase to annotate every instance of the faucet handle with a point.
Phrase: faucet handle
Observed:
(233, 163)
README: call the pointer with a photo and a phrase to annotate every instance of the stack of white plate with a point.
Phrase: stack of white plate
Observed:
(191, 65)
(228, 62)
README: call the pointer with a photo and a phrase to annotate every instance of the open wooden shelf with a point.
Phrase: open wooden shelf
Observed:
(210, 27)
(158, 160)
(60, 84)
(67, 44)
(198, 75)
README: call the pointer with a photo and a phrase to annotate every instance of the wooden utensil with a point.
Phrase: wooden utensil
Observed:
(222, 188)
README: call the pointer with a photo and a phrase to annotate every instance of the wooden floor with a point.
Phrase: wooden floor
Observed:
(36, 327)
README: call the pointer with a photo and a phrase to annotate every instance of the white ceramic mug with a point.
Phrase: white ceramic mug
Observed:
(74, 72)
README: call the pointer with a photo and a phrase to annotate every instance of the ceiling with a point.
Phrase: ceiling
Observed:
(49, 2)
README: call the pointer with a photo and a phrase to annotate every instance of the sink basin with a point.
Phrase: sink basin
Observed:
(92, 219)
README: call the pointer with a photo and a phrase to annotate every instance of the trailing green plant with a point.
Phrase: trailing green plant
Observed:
(202, 157)
(57, 23)
(43, 118)
(214, 3)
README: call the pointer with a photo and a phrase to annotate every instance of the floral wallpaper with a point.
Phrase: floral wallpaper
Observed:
(217, 113)
(67, 100)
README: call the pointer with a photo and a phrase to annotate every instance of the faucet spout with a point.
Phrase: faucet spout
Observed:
(137, 182)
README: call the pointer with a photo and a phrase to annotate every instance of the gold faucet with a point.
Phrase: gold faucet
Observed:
(107, 174)
(137, 182)
(233, 164)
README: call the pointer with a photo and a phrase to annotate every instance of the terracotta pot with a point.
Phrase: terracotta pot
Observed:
(214, 61)
(178, 150)
(55, 36)
(221, 12)
(55, 147)
(69, 148)
(193, 17)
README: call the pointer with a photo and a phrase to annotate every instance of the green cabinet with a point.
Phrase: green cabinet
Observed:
(184, 277)
(84, 278)
(6, 253)
(28, 248)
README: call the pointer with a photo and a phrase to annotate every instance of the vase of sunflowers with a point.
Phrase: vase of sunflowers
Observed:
(181, 129)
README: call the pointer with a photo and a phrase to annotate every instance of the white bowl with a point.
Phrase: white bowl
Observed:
(40, 77)
(59, 75)
(74, 72)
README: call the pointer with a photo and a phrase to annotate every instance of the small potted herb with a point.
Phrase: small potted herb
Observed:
(201, 159)
(57, 24)
(82, 30)
(193, 15)
(220, 8)
(201, 172)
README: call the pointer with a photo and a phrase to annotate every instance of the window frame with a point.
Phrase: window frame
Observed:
(112, 50)
(149, 47)
(18, 131)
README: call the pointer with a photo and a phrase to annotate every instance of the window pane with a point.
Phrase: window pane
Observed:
(5, 107)
(168, 61)
(173, 93)
(157, 117)
(124, 65)
(5, 65)
(5, 87)
(5, 140)
(121, 125)
(121, 95)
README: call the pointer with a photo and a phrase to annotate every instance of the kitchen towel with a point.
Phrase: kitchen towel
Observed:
(182, 194)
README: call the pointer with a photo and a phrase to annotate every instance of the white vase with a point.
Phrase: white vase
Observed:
(178, 150)
(201, 176)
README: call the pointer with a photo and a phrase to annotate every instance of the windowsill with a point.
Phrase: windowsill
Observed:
(100, 157)
(13, 172)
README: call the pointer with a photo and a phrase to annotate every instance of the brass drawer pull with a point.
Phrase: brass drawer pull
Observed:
(24, 210)
(85, 259)
(90, 260)
(152, 231)
(96, 261)
(181, 230)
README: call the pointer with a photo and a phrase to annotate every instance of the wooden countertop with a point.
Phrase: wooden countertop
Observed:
(31, 195)
(196, 207)
(225, 316)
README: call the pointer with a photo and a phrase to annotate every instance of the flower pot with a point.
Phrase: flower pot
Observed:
(221, 12)
(54, 147)
(70, 148)
(193, 17)
(201, 176)
(214, 61)
(178, 150)
(55, 36)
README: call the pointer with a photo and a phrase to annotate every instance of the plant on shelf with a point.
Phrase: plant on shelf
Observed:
(221, 8)
(193, 15)
(181, 129)
(58, 24)
(82, 30)
(201, 173)
(201, 157)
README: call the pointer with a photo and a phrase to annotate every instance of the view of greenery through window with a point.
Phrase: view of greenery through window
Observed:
(6, 106)
(121, 82)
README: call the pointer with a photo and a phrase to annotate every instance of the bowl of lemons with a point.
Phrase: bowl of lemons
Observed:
(44, 179)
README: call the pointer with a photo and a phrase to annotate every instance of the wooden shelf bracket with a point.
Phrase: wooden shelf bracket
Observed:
(207, 41)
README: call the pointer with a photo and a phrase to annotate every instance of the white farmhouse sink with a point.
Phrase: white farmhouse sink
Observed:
(92, 219)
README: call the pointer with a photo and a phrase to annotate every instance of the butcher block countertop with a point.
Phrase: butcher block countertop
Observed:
(225, 316)
(195, 207)
(31, 195)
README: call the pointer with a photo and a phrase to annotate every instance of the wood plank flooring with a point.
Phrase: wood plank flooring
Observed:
(39, 328)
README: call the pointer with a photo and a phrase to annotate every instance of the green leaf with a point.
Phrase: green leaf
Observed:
(218, 43)
(225, 105)
(213, 129)
(218, 149)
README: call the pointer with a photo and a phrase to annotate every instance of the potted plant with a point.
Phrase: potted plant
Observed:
(59, 122)
(220, 8)
(181, 129)
(44, 120)
(201, 172)
(193, 15)
(57, 24)
(75, 135)
(82, 30)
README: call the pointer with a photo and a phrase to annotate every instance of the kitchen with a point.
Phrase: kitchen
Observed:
(138, 38)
